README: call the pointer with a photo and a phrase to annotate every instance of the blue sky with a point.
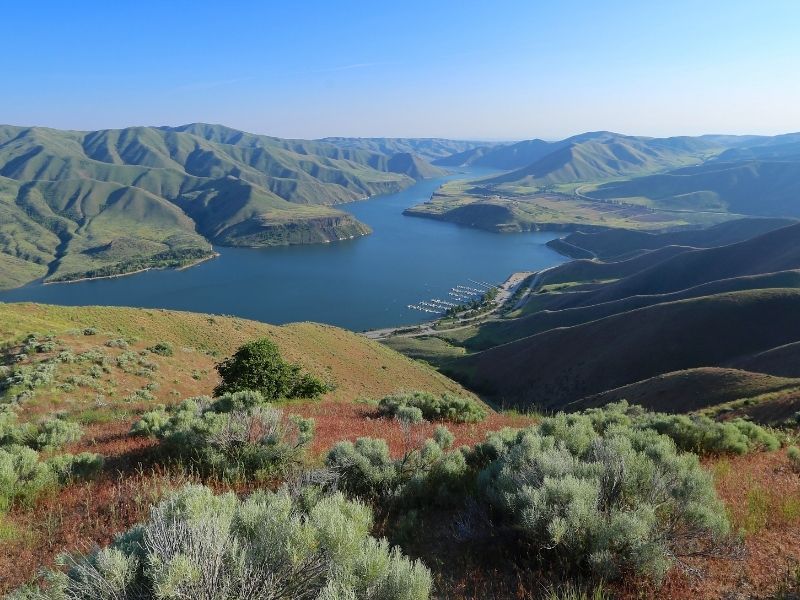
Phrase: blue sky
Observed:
(490, 69)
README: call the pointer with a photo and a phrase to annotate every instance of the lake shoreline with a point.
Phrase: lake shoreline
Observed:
(136, 272)
(364, 283)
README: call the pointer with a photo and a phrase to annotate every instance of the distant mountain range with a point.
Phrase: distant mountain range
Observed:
(651, 181)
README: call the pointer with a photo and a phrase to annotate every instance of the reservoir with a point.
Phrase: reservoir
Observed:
(359, 284)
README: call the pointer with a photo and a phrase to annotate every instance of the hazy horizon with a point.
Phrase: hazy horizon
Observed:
(452, 70)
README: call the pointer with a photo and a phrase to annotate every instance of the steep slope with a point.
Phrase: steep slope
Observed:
(557, 367)
(783, 361)
(409, 164)
(358, 366)
(515, 156)
(465, 158)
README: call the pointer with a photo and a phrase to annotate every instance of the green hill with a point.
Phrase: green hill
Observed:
(605, 155)
(771, 252)
(515, 156)
(413, 166)
(756, 187)
(617, 244)
(693, 389)
(555, 309)
(560, 366)
(161, 195)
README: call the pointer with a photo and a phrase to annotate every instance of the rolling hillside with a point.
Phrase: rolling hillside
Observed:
(766, 187)
(679, 328)
(159, 195)
(694, 389)
(617, 244)
(771, 252)
(554, 368)
(702, 180)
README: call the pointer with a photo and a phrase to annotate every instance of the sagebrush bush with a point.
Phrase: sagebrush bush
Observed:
(616, 501)
(49, 434)
(236, 436)
(53, 433)
(446, 407)
(162, 349)
(259, 366)
(23, 476)
(692, 433)
(270, 546)
(793, 452)
(428, 474)
(21, 379)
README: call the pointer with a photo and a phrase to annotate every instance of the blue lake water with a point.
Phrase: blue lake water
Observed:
(360, 284)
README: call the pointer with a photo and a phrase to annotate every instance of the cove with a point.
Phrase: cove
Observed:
(359, 284)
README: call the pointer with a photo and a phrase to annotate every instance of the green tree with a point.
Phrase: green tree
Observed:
(258, 366)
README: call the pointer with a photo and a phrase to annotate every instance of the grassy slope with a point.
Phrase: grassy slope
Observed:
(605, 156)
(558, 366)
(755, 187)
(694, 389)
(622, 243)
(357, 366)
(775, 251)
(783, 361)
(64, 195)
(504, 331)
(480, 207)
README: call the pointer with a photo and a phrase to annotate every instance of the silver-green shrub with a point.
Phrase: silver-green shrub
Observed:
(50, 434)
(616, 501)
(446, 407)
(23, 476)
(692, 433)
(428, 474)
(270, 546)
(236, 436)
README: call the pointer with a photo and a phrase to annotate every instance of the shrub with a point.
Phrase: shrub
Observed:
(693, 433)
(162, 349)
(236, 436)
(610, 502)
(25, 378)
(90, 331)
(793, 452)
(269, 546)
(425, 475)
(117, 343)
(54, 433)
(258, 366)
(50, 434)
(409, 414)
(435, 408)
(23, 476)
